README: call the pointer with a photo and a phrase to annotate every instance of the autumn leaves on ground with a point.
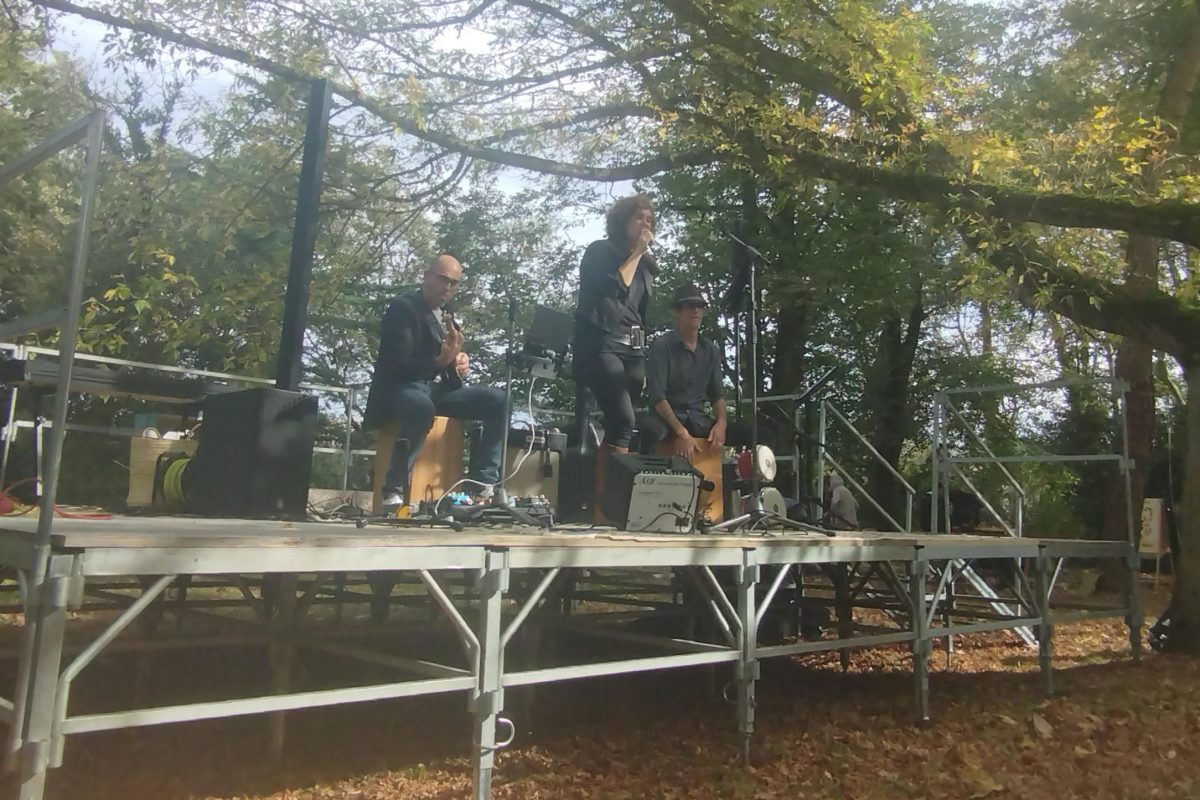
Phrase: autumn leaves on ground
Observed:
(1116, 729)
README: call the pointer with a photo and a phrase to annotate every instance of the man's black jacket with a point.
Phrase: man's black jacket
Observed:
(410, 339)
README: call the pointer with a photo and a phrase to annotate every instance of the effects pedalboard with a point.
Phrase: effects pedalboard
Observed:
(537, 506)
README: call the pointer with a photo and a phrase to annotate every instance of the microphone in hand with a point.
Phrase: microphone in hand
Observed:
(648, 255)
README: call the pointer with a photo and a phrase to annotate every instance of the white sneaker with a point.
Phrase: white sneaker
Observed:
(485, 492)
(391, 502)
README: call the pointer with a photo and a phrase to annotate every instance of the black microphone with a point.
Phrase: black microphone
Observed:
(651, 258)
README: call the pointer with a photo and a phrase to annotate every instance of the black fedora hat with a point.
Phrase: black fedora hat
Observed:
(687, 294)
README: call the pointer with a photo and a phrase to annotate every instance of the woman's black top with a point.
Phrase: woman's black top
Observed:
(607, 308)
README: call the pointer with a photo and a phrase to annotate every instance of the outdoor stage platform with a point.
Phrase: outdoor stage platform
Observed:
(511, 598)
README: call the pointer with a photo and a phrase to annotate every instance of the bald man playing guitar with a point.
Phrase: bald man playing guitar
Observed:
(419, 374)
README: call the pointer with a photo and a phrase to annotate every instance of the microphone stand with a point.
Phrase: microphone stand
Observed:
(757, 516)
(500, 509)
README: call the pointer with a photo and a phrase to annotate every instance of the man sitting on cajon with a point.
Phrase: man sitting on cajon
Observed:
(683, 373)
(419, 373)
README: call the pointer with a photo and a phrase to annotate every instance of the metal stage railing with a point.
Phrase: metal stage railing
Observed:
(31, 722)
(944, 466)
(348, 395)
(828, 410)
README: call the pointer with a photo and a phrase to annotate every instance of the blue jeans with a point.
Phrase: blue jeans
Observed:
(415, 404)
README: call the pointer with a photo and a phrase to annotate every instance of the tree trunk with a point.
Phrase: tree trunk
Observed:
(1185, 604)
(1134, 358)
(886, 398)
(791, 344)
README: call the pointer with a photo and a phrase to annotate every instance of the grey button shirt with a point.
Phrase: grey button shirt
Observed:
(685, 379)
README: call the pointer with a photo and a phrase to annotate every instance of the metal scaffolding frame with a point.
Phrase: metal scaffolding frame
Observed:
(518, 582)
(945, 466)
(964, 570)
(43, 586)
(827, 410)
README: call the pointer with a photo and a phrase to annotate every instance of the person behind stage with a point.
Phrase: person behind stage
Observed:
(616, 277)
(843, 506)
(419, 374)
(684, 374)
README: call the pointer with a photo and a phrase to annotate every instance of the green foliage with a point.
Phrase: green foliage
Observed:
(193, 233)
(38, 210)
(761, 98)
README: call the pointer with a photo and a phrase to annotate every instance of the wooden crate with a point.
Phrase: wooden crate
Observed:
(439, 465)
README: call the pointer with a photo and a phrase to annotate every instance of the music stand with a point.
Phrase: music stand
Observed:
(744, 276)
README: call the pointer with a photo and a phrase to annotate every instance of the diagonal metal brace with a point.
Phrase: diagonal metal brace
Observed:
(89, 655)
(784, 571)
(718, 596)
(470, 641)
(527, 609)
(709, 603)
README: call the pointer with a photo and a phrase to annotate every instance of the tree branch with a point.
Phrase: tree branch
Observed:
(1142, 313)
(1169, 219)
(408, 125)
(581, 27)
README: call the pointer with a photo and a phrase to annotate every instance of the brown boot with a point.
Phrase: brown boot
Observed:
(602, 457)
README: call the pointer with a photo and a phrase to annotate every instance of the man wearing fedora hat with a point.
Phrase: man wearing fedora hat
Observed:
(683, 375)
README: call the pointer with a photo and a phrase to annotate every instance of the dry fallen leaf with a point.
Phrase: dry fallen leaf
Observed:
(1007, 720)
(983, 783)
(969, 759)
(1044, 729)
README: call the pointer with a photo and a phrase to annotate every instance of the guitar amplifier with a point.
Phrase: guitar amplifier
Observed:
(651, 493)
(254, 455)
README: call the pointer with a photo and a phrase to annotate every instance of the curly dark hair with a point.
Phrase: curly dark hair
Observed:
(622, 211)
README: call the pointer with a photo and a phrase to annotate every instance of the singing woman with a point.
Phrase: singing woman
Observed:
(616, 277)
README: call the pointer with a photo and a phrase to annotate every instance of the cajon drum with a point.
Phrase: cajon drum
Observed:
(439, 465)
(707, 462)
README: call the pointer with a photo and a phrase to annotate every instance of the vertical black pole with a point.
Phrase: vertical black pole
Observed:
(304, 237)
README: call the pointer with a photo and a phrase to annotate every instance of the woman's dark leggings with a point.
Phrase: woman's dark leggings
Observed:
(615, 380)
